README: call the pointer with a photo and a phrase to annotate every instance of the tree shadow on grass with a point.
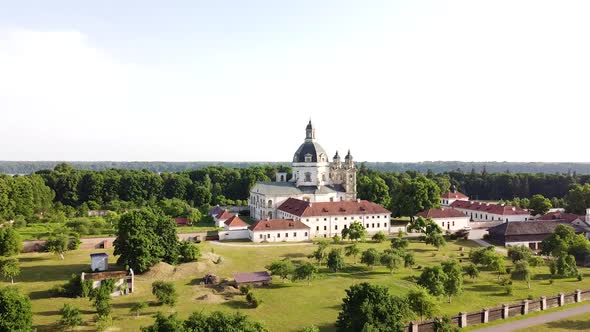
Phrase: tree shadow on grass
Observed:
(43, 294)
(295, 255)
(279, 285)
(125, 305)
(484, 288)
(48, 328)
(55, 272)
(31, 259)
(541, 276)
(236, 304)
(572, 325)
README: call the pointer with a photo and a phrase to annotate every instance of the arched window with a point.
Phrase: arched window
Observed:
(282, 178)
(269, 214)
(307, 177)
(270, 203)
(323, 176)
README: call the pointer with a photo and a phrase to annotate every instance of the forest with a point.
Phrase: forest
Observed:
(28, 167)
(66, 188)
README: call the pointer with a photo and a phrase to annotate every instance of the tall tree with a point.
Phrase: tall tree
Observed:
(422, 303)
(454, 282)
(352, 250)
(370, 257)
(15, 310)
(522, 272)
(367, 305)
(283, 268)
(434, 279)
(10, 242)
(335, 260)
(577, 199)
(538, 204)
(305, 271)
(9, 268)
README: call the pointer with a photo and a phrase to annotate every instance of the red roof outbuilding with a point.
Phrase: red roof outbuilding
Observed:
(302, 208)
(441, 213)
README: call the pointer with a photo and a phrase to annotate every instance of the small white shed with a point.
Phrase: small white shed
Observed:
(99, 262)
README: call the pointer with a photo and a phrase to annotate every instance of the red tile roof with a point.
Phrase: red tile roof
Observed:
(278, 225)
(181, 221)
(224, 215)
(235, 221)
(569, 217)
(455, 195)
(489, 208)
(301, 208)
(442, 213)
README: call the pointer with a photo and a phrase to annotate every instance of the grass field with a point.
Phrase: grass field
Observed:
(286, 306)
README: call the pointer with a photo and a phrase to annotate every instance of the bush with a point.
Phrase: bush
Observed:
(530, 297)
(580, 277)
(70, 316)
(336, 239)
(188, 252)
(253, 300)
(508, 289)
(165, 292)
(379, 237)
(245, 289)
(103, 322)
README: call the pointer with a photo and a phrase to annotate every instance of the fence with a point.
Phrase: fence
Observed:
(105, 242)
(464, 319)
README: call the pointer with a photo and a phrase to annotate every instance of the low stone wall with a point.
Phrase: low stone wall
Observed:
(506, 310)
(104, 242)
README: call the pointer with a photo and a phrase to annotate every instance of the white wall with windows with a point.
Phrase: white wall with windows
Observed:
(476, 215)
(289, 235)
(328, 226)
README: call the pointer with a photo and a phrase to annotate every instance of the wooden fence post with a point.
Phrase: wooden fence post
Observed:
(485, 315)
(543, 303)
(414, 326)
(561, 300)
(578, 295)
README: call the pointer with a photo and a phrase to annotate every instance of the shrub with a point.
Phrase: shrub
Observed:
(336, 239)
(245, 289)
(253, 300)
(445, 324)
(70, 316)
(379, 237)
(188, 252)
(165, 292)
(580, 277)
(508, 289)
(103, 322)
(530, 297)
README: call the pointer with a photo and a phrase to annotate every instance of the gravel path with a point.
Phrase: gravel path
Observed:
(538, 320)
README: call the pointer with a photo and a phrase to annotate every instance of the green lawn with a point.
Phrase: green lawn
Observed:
(286, 306)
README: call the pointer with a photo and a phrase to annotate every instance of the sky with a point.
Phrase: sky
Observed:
(397, 81)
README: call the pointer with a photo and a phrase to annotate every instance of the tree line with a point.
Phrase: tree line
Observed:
(65, 188)
(28, 167)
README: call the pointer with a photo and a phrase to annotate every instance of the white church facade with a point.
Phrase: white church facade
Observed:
(314, 179)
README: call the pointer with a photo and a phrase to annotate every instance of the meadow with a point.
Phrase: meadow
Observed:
(287, 306)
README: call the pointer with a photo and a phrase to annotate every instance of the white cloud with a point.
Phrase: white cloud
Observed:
(468, 81)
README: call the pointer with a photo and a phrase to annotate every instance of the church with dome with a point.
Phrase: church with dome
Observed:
(314, 179)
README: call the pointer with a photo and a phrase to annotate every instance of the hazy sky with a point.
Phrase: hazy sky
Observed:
(238, 80)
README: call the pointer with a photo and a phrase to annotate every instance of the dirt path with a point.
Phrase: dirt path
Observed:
(228, 244)
(521, 324)
(485, 244)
